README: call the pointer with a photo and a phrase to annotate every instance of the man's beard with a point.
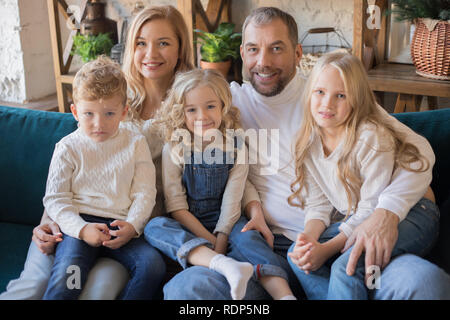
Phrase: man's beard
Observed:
(277, 88)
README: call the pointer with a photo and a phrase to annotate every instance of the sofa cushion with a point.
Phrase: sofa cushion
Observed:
(27, 141)
(14, 242)
(435, 126)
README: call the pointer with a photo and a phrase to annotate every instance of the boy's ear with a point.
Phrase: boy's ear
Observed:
(125, 111)
(73, 109)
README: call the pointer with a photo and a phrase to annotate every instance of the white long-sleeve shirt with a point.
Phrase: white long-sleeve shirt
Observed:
(284, 112)
(373, 160)
(112, 179)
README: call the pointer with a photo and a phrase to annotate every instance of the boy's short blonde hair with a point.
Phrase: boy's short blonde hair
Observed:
(99, 79)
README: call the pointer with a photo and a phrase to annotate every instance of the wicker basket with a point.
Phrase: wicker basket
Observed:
(430, 50)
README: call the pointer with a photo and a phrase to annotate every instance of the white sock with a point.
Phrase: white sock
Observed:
(288, 297)
(237, 274)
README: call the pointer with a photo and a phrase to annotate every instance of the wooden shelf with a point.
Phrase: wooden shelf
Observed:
(402, 78)
(369, 45)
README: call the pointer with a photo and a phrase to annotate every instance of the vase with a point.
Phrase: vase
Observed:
(223, 66)
(96, 22)
(430, 49)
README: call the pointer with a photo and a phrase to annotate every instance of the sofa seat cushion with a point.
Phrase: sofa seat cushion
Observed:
(14, 242)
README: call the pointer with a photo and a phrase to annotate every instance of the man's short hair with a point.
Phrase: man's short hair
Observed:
(265, 15)
(101, 78)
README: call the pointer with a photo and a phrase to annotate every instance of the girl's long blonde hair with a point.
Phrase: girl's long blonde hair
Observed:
(136, 92)
(170, 116)
(364, 109)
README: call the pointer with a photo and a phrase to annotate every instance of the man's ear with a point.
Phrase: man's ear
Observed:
(241, 50)
(73, 109)
(298, 53)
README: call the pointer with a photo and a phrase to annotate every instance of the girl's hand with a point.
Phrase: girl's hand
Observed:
(125, 233)
(257, 222)
(308, 254)
(94, 234)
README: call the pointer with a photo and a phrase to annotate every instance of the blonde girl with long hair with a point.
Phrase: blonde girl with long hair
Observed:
(204, 177)
(345, 154)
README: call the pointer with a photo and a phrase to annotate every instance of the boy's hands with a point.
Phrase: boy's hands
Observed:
(125, 233)
(308, 254)
(94, 234)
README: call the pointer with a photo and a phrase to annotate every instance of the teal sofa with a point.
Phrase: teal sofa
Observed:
(27, 140)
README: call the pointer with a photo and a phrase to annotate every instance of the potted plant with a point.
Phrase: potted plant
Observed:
(88, 47)
(430, 46)
(219, 47)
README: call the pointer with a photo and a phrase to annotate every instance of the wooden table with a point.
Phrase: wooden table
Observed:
(403, 79)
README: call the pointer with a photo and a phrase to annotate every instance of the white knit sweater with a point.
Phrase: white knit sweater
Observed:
(112, 179)
(372, 159)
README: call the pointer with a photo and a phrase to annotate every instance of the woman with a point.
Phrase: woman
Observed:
(157, 47)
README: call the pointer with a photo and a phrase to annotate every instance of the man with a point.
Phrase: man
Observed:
(270, 54)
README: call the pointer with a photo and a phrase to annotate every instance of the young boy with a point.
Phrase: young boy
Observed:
(101, 189)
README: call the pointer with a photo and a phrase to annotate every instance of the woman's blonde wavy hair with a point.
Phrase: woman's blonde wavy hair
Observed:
(364, 109)
(171, 117)
(136, 90)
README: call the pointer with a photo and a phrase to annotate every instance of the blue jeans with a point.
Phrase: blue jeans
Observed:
(176, 241)
(199, 283)
(417, 234)
(144, 263)
(427, 282)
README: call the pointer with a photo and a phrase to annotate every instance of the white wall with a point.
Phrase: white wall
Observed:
(36, 48)
(26, 66)
(12, 79)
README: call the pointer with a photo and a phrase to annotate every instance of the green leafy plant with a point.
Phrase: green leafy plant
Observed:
(410, 10)
(220, 45)
(89, 47)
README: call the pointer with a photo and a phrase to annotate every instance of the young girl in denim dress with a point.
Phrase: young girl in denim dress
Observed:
(204, 177)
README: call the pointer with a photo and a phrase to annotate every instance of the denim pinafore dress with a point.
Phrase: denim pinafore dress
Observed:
(205, 184)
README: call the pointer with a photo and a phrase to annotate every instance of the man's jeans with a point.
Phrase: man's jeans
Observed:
(427, 282)
(417, 234)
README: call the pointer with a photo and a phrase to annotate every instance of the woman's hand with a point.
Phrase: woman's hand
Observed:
(125, 233)
(46, 236)
(257, 222)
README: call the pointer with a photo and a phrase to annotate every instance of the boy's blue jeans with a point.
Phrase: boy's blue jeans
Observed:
(74, 257)
(416, 234)
(174, 240)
